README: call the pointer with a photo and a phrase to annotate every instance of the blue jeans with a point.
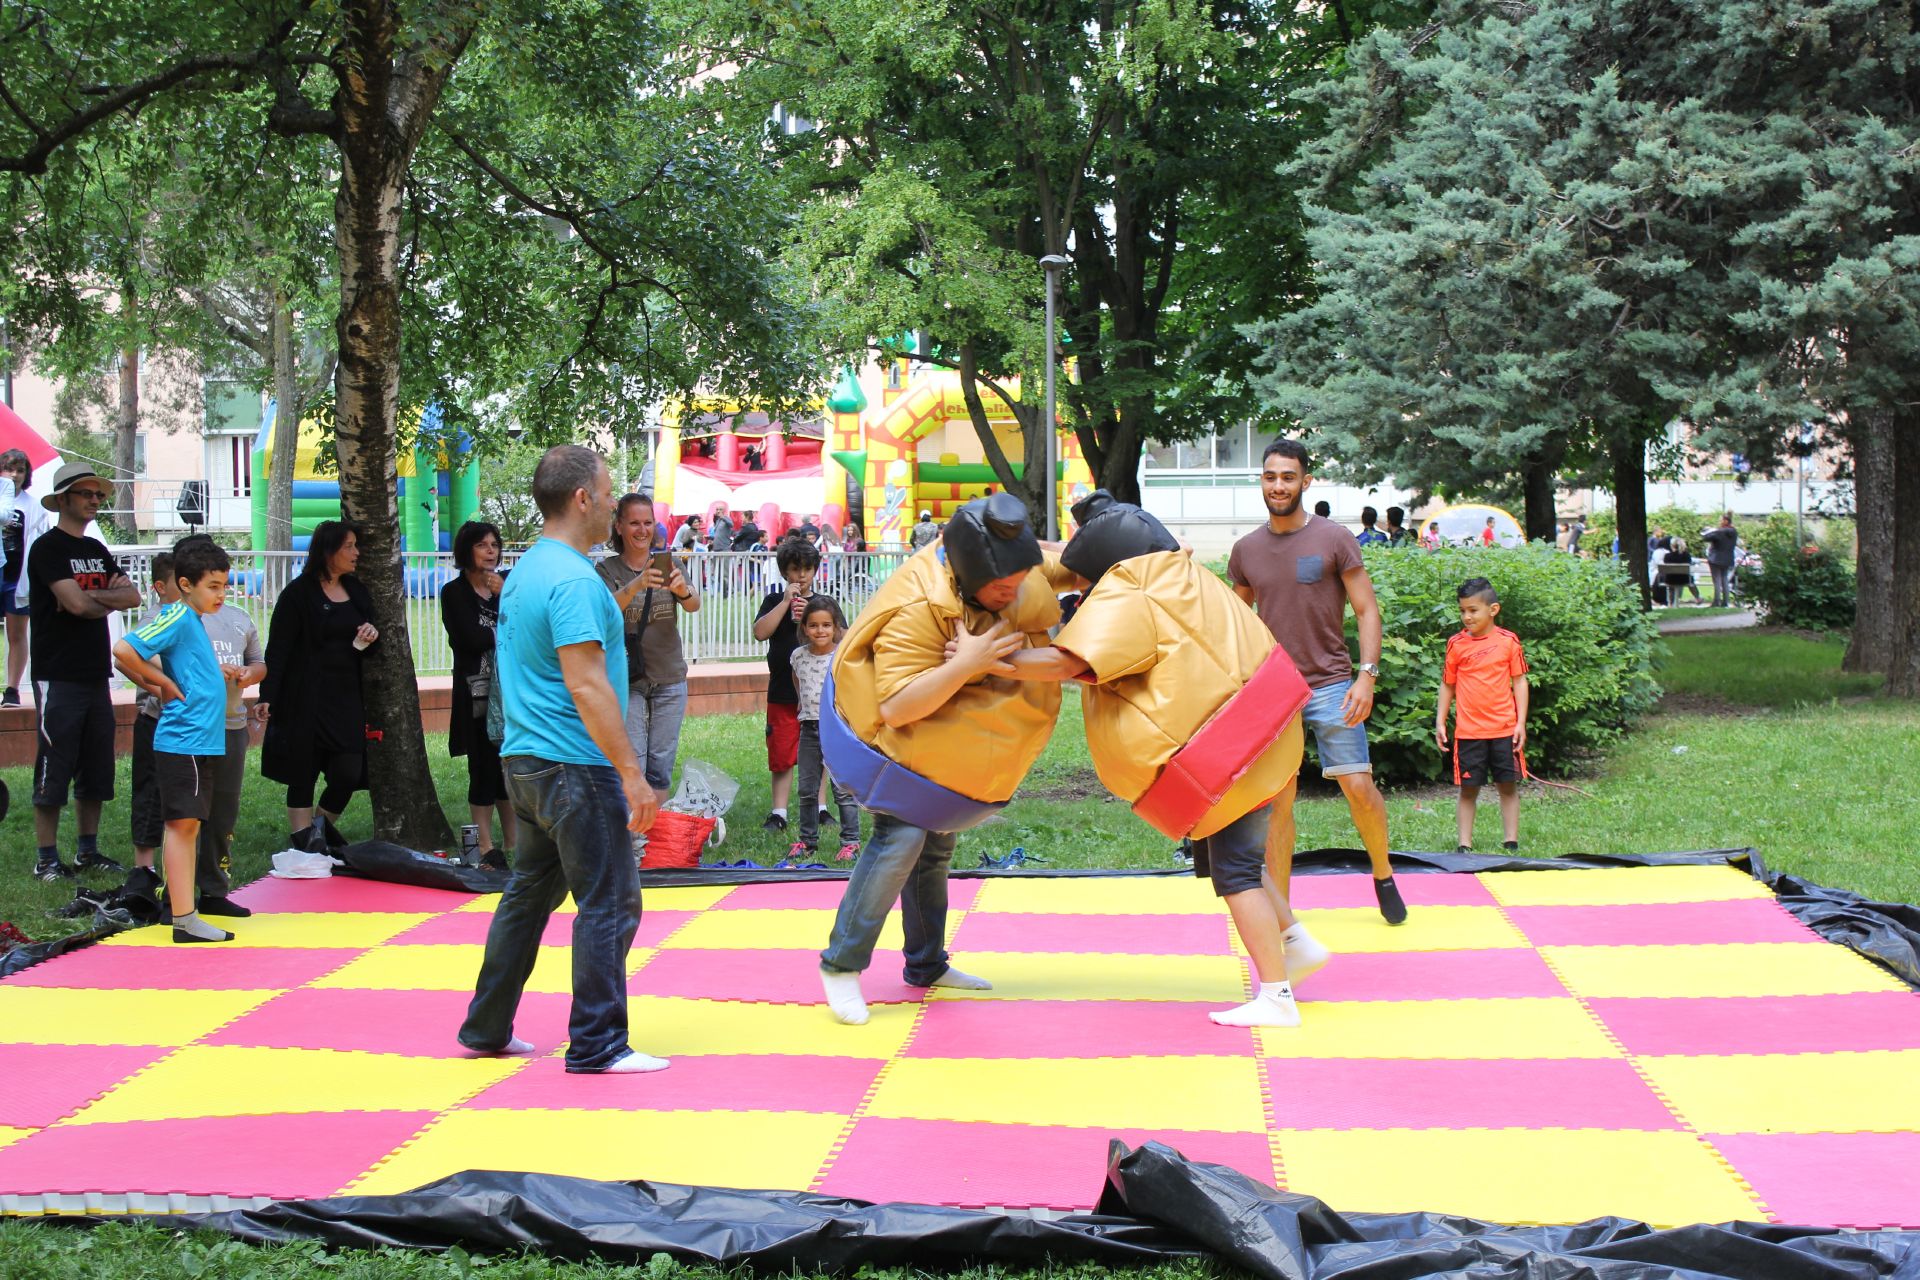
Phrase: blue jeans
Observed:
(655, 713)
(810, 767)
(901, 863)
(573, 836)
(1342, 746)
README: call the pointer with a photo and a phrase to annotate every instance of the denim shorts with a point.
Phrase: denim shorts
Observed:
(1342, 747)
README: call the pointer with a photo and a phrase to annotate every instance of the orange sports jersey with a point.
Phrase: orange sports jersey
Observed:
(1481, 671)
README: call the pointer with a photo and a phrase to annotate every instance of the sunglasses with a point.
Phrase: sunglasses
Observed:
(97, 495)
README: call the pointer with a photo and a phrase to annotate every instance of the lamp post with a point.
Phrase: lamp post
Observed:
(1052, 264)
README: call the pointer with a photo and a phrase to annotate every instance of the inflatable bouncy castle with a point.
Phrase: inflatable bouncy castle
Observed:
(439, 485)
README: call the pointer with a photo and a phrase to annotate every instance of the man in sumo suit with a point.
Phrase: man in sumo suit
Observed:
(1193, 717)
(921, 723)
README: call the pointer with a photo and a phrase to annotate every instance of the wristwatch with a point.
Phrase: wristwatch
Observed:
(1369, 669)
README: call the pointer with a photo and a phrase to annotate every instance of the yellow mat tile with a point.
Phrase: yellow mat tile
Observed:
(799, 930)
(452, 967)
(1722, 969)
(778, 1151)
(51, 1015)
(1055, 975)
(291, 929)
(1356, 929)
(1621, 886)
(233, 1080)
(1793, 1093)
(674, 1027)
(1517, 1175)
(1544, 1027)
(13, 1135)
(1139, 895)
(681, 897)
(1215, 1093)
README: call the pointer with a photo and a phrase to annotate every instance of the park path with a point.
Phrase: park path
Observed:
(1720, 622)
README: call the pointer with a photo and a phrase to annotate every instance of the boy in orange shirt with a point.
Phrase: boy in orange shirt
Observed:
(1486, 679)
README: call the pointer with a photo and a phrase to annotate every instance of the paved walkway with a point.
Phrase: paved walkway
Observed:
(1719, 622)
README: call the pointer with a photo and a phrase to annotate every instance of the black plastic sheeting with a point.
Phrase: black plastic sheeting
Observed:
(1156, 1207)
(397, 864)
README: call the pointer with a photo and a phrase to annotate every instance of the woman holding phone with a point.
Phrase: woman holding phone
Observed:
(651, 592)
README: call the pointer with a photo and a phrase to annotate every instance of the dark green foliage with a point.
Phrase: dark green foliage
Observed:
(1590, 646)
(1806, 586)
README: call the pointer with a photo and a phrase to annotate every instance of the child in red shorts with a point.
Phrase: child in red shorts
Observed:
(1485, 681)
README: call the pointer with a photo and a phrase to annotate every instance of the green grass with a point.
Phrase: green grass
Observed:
(1761, 668)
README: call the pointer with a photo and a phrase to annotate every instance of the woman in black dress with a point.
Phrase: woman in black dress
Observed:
(470, 610)
(311, 701)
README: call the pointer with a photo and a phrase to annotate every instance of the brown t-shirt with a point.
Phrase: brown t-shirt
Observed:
(1297, 589)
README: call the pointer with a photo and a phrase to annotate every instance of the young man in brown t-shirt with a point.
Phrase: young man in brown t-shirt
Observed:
(1301, 572)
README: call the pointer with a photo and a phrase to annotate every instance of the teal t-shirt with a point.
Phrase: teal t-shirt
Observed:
(197, 724)
(552, 598)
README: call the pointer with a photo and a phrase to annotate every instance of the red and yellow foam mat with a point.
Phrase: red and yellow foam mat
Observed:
(1661, 1043)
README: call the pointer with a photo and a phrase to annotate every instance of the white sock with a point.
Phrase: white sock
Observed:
(1272, 1007)
(781, 812)
(844, 996)
(1305, 954)
(515, 1047)
(961, 981)
(197, 930)
(633, 1063)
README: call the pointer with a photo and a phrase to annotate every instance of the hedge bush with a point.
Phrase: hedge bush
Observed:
(1810, 586)
(1590, 646)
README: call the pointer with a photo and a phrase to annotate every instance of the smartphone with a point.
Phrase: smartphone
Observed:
(663, 561)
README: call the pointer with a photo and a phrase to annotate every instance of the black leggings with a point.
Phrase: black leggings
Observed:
(346, 773)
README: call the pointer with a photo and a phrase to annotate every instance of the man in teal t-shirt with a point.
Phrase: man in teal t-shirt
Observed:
(575, 782)
(190, 739)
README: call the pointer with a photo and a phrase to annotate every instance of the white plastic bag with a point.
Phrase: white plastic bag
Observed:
(706, 791)
(298, 864)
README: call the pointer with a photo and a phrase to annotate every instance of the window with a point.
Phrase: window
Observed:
(896, 372)
(1231, 451)
(1159, 456)
(1194, 455)
(229, 466)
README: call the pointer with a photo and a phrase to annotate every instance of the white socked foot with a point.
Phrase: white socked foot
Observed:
(844, 997)
(1273, 1007)
(1305, 954)
(515, 1047)
(633, 1063)
(961, 981)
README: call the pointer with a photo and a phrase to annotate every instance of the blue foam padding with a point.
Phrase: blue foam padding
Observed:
(885, 787)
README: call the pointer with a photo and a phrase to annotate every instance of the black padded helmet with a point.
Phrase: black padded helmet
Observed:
(988, 539)
(1110, 532)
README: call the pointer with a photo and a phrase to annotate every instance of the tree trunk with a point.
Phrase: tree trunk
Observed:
(1536, 478)
(289, 405)
(1119, 473)
(1629, 459)
(1903, 659)
(1871, 437)
(126, 433)
(383, 112)
(1021, 486)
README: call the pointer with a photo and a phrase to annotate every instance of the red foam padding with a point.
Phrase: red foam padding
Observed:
(346, 893)
(1073, 1029)
(1336, 1093)
(746, 1082)
(285, 1157)
(825, 895)
(185, 968)
(1432, 975)
(1013, 1166)
(1830, 1179)
(763, 977)
(1718, 1025)
(1348, 891)
(41, 1083)
(1225, 747)
(1168, 935)
(420, 1024)
(1661, 923)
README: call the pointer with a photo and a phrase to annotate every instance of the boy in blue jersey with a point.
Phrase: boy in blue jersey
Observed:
(191, 737)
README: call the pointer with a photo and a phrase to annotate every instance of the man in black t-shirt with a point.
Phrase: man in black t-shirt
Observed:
(73, 584)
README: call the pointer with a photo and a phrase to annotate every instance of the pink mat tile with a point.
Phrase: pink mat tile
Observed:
(1015, 1166)
(1764, 1024)
(1432, 975)
(346, 893)
(284, 1156)
(1072, 1029)
(1492, 1094)
(1831, 1179)
(1166, 935)
(821, 895)
(747, 1082)
(1310, 893)
(765, 977)
(40, 1083)
(185, 968)
(1656, 924)
(413, 1023)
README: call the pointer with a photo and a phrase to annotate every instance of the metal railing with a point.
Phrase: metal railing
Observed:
(731, 586)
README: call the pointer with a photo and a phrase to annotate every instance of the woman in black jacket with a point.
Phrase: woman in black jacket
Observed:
(470, 610)
(311, 701)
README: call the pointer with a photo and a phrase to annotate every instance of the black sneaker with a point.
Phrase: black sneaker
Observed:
(214, 904)
(1511, 846)
(52, 872)
(1387, 894)
(494, 860)
(774, 822)
(1463, 848)
(88, 863)
(9, 697)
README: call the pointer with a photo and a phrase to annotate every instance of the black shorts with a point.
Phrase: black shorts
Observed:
(1478, 761)
(1234, 856)
(186, 785)
(76, 742)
